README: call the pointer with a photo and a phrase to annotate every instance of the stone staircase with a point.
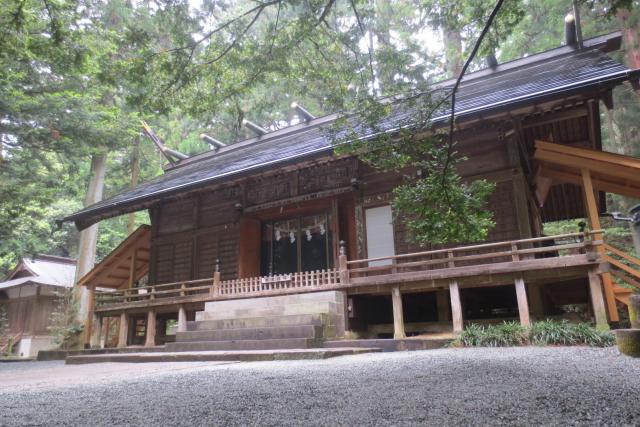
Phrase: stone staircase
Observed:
(295, 321)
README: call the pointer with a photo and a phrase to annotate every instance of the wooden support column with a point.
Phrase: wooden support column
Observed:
(398, 317)
(182, 319)
(124, 330)
(104, 335)
(535, 300)
(151, 329)
(597, 300)
(456, 306)
(523, 305)
(443, 305)
(594, 221)
(89, 319)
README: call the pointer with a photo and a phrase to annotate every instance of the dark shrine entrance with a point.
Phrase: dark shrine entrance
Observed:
(301, 243)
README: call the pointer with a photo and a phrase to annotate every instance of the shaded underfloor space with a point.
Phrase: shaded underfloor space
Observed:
(372, 315)
(505, 386)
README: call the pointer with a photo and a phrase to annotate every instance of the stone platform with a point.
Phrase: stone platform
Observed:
(219, 356)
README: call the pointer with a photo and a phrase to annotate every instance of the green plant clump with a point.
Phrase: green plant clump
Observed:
(547, 332)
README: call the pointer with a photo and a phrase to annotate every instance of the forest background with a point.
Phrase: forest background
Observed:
(76, 78)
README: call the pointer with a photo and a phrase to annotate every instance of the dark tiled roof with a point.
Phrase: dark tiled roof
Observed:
(557, 72)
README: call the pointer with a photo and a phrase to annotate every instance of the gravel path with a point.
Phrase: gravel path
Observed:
(514, 386)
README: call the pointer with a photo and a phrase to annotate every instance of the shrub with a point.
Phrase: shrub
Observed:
(65, 328)
(547, 332)
(501, 335)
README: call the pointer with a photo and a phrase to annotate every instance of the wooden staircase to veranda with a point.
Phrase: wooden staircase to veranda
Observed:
(626, 270)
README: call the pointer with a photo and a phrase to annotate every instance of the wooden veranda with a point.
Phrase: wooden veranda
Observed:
(520, 263)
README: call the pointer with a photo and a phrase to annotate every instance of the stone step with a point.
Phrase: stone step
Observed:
(277, 332)
(276, 301)
(286, 310)
(220, 356)
(270, 344)
(260, 322)
(387, 344)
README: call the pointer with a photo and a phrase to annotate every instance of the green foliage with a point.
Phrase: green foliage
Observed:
(547, 332)
(64, 328)
(4, 322)
(501, 335)
(550, 332)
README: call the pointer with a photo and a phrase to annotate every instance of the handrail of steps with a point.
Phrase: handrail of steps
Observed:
(626, 269)
(482, 254)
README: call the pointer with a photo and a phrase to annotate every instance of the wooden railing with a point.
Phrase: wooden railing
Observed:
(476, 255)
(7, 344)
(390, 269)
(216, 289)
(626, 269)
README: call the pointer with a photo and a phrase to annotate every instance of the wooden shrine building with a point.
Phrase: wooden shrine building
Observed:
(265, 217)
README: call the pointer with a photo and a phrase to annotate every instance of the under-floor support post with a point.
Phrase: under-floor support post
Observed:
(443, 305)
(151, 329)
(456, 306)
(597, 300)
(124, 330)
(523, 304)
(398, 316)
(182, 319)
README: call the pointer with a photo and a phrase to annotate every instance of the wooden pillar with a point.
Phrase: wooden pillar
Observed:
(456, 306)
(104, 334)
(132, 268)
(398, 317)
(182, 319)
(88, 320)
(594, 221)
(124, 330)
(597, 300)
(443, 305)
(151, 329)
(523, 304)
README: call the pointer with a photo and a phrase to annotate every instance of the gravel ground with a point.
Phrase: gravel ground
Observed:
(514, 386)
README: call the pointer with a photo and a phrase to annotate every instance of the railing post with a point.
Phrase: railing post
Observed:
(451, 263)
(514, 252)
(183, 287)
(152, 294)
(215, 287)
(342, 264)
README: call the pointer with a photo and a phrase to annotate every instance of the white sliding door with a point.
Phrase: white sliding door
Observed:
(379, 225)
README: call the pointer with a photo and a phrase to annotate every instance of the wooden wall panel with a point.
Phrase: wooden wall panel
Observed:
(219, 207)
(164, 263)
(182, 261)
(249, 248)
(30, 315)
(176, 216)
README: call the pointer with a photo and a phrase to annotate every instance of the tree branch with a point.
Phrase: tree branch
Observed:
(476, 47)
